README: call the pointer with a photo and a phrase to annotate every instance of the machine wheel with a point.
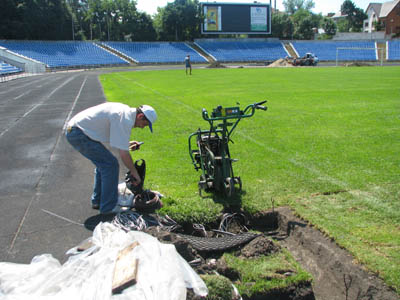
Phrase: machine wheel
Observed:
(209, 164)
(238, 181)
(201, 184)
(229, 186)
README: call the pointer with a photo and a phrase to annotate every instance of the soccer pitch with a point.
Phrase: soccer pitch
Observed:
(328, 146)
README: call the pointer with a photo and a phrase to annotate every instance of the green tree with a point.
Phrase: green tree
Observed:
(11, 21)
(178, 20)
(144, 28)
(354, 15)
(291, 6)
(329, 26)
(377, 25)
(304, 29)
(347, 7)
(74, 19)
(343, 25)
(282, 26)
(305, 23)
(116, 20)
(158, 23)
(127, 21)
(45, 19)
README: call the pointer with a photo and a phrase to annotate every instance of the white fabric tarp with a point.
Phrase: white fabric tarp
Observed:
(162, 273)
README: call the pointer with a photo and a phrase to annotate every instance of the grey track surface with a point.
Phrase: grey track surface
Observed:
(45, 185)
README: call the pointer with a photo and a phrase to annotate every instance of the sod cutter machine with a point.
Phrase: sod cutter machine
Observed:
(212, 155)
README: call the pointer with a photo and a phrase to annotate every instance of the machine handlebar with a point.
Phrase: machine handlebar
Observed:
(237, 114)
(260, 106)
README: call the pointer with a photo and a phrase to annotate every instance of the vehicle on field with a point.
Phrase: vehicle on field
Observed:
(210, 151)
(309, 59)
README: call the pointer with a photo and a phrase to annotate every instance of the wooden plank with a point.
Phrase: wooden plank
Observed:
(125, 270)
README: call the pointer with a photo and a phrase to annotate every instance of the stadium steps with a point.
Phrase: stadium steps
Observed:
(119, 54)
(383, 46)
(290, 49)
(201, 52)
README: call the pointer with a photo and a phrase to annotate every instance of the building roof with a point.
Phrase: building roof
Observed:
(387, 7)
(376, 7)
(339, 15)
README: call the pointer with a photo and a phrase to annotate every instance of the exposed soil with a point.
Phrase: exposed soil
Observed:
(358, 64)
(211, 262)
(336, 275)
(282, 62)
(216, 64)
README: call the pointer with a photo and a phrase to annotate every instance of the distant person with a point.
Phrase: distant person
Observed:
(108, 123)
(188, 64)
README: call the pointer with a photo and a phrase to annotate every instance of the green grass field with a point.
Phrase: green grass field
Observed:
(328, 146)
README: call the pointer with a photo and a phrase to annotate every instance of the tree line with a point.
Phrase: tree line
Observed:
(120, 20)
(300, 23)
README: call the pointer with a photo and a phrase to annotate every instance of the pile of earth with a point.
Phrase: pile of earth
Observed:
(282, 62)
(357, 64)
(216, 64)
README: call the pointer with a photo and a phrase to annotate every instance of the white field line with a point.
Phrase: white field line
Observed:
(20, 226)
(23, 86)
(263, 145)
(311, 169)
(342, 184)
(73, 105)
(161, 94)
(36, 106)
(26, 91)
(62, 218)
(366, 197)
(21, 95)
(37, 186)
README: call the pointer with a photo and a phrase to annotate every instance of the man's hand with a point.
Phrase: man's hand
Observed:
(127, 160)
(136, 177)
(134, 145)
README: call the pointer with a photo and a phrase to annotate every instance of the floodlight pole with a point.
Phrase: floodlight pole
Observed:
(73, 33)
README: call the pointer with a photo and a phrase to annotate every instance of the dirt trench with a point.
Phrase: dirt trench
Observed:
(336, 275)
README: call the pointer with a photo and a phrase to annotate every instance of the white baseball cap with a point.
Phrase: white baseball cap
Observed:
(150, 115)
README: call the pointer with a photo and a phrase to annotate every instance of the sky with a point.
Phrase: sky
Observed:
(321, 6)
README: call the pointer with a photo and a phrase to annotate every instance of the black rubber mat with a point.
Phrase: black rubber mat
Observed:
(219, 244)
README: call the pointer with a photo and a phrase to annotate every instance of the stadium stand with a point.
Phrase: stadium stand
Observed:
(393, 50)
(231, 51)
(62, 54)
(7, 69)
(156, 52)
(326, 50)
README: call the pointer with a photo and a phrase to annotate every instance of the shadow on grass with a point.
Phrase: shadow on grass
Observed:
(232, 203)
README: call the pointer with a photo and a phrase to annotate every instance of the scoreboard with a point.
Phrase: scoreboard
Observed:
(236, 18)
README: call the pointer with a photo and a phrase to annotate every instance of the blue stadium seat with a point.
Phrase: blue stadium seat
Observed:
(156, 52)
(228, 51)
(326, 50)
(63, 53)
(393, 50)
(6, 69)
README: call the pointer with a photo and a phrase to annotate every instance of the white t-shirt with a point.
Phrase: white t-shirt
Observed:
(109, 122)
